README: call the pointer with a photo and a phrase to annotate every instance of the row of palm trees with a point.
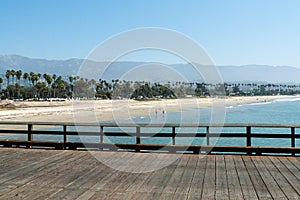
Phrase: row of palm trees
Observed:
(36, 85)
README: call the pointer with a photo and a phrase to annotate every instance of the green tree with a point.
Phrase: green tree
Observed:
(1, 81)
(19, 75)
(103, 90)
(54, 77)
(7, 75)
(13, 73)
(25, 77)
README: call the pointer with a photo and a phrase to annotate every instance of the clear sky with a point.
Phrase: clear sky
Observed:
(234, 32)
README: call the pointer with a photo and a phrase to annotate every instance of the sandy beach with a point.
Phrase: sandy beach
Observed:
(67, 111)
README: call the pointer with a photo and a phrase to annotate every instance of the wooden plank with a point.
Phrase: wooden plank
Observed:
(8, 157)
(15, 159)
(22, 171)
(293, 169)
(176, 177)
(29, 181)
(244, 178)
(51, 179)
(139, 195)
(258, 183)
(42, 193)
(295, 161)
(86, 195)
(118, 196)
(197, 183)
(118, 185)
(134, 180)
(102, 194)
(291, 179)
(63, 175)
(110, 174)
(234, 187)
(271, 184)
(75, 172)
(52, 176)
(115, 181)
(221, 179)
(288, 190)
(157, 181)
(209, 189)
(66, 194)
(89, 179)
(34, 172)
(187, 177)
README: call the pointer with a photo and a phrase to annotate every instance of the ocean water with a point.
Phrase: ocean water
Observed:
(282, 111)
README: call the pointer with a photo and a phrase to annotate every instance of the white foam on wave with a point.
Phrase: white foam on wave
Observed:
(260, 103)
(287, 100)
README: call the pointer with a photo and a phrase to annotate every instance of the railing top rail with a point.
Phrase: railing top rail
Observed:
(105, 124)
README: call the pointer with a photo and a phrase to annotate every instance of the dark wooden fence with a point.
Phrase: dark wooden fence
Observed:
(140, 132)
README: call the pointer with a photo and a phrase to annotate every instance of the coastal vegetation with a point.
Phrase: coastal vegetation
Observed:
(19, 85)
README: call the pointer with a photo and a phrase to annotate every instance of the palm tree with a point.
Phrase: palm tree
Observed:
(1, 81)
(31, 75)
(39, 75)
(54, 86)
(7, 75)
(25, 77)
(34, 78)
(48, 79)
(71, 79)
(40, 86)
(19, 75)
(54, 77)
(13, 73)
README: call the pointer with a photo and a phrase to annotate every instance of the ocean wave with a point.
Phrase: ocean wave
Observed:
(287, 100)
(260, 103)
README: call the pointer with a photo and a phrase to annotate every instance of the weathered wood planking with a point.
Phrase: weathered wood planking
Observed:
(57, 174)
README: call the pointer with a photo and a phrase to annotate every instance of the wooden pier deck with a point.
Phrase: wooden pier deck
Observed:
(67, 174)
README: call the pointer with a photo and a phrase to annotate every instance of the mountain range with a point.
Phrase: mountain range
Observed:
(145, 70)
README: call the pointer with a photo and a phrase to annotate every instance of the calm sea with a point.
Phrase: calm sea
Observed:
(280, 111)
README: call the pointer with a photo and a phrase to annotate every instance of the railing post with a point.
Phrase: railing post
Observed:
(101, 134)
(293, 138)
(138, 137)
(248, 135)
(29, 135)
(207, 135)
(65, 135)
(173, 135)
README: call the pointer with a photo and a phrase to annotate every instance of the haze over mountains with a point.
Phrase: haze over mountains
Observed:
(246, 73)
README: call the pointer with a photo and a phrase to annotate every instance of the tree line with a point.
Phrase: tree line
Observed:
(19, 85)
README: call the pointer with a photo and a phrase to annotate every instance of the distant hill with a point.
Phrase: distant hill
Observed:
(246, 73)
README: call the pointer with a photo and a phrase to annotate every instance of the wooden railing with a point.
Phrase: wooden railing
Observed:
(140, 132)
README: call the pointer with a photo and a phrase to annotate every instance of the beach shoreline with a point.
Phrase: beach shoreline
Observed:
(68, 111)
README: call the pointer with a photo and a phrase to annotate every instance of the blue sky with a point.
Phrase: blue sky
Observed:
(234, 32)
